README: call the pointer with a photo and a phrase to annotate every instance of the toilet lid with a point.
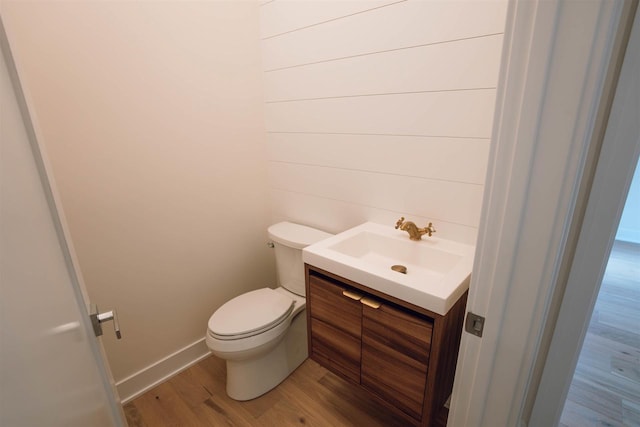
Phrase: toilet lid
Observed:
(250, 313)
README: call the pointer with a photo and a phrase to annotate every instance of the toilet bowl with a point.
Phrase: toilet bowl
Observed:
(262, 334)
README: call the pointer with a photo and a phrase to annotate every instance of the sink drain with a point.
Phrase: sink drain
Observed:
(399, 268)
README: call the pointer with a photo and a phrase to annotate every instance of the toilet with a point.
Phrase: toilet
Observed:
(262, 334)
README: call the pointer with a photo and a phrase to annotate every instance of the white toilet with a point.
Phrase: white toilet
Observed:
(262, 334)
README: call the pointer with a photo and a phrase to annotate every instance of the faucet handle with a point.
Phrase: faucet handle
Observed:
(399, 222)
(430, 229)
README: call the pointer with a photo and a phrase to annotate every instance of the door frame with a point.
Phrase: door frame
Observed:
(560, 65)
(617, 162)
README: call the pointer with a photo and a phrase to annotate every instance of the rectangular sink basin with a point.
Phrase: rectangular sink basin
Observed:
(437, 270)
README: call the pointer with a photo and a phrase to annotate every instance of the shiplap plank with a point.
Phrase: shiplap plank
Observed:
(464, 64)
(336, 215)
(281, 16)
(450, 159)
(400, 25)
(455, 202)
(455, 114)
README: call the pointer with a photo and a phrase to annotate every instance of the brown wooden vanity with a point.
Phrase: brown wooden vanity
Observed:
(404, 355)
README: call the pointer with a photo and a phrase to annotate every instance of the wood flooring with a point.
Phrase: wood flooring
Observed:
(605, 390)
(311, 396)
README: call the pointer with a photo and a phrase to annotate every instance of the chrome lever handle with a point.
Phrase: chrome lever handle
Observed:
(98, 318)
(111, 315)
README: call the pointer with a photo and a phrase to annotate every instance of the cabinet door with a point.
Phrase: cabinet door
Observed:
(395, 356)
(336, 324)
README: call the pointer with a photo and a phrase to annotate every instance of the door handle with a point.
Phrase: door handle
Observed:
(97, 319)
(370, 302)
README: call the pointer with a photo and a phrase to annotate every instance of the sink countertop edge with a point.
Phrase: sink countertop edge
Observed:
(438, 305)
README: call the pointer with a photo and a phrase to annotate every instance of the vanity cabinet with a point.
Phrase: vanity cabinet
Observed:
(402, 354)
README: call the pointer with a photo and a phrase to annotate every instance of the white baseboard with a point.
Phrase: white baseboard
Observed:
(154, 374)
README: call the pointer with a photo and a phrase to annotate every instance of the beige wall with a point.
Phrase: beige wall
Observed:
(152, 115)
(380, 109)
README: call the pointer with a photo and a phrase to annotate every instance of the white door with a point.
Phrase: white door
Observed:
(51, 367)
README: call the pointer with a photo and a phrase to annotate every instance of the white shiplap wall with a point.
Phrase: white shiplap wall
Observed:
(380, 109)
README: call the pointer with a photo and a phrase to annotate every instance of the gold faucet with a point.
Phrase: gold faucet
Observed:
(415, 233)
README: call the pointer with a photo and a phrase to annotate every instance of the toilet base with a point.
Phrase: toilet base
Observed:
(252, 377)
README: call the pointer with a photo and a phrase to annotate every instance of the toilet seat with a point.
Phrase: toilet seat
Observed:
(250, 314)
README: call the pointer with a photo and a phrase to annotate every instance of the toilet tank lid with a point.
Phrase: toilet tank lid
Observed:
(296, 236)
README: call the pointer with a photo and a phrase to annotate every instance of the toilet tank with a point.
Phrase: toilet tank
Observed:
(289, 239)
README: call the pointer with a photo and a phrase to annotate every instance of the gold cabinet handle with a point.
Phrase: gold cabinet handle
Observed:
(351, 294)
(370, 302)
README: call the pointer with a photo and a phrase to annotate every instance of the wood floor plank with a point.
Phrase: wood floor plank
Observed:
(163, 406)
(284, 414)
(212, 413)
(321, 397)
(361, 406)
(584, 392)
(188, 386)
(606, 385)
(315, 406)
(575, 415)
(303, 390)
(630, 413)
(629, 369)
(134, 418)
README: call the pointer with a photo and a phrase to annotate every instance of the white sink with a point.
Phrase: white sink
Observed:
(437, 270)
